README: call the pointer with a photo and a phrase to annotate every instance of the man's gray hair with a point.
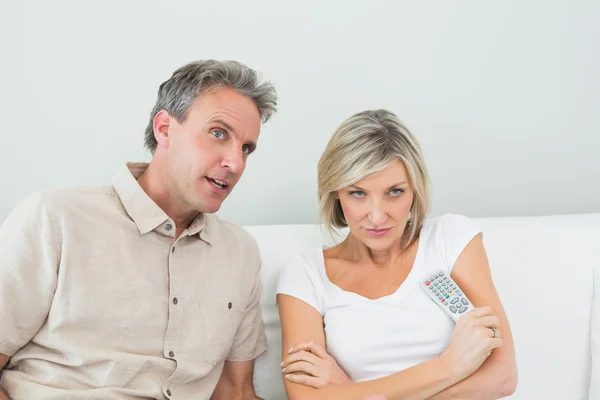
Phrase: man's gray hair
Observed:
(177, 94)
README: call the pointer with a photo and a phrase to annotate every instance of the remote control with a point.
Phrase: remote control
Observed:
(445, 293)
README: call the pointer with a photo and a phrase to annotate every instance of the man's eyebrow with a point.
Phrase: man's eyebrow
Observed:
(225, 124)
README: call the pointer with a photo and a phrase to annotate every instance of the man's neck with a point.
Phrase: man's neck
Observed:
(157, 187)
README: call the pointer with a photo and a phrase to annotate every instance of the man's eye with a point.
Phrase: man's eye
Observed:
(246, 149)
(217, 133)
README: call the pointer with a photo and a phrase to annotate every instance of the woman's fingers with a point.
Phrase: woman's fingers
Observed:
(494, 332)
(301, 366)
(309, 346)
(300, 356)
(489, 321)
(304, 380)
(480, 312)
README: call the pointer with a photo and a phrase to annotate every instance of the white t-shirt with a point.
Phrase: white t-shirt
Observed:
(371, 339)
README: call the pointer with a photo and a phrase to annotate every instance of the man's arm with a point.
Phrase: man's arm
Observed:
(236, 382)
(29, 258)
(250, 341)
(3, 360)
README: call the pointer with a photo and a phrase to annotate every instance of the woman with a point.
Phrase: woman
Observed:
(355, 322)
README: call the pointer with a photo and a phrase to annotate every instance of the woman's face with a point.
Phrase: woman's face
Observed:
(377, 208)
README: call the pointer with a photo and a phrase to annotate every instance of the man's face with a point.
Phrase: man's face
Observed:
(207, 152)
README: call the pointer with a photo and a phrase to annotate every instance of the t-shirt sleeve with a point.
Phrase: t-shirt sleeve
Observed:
(457, 231)
(296, 280)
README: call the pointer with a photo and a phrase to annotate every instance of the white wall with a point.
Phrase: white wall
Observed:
(501, 94)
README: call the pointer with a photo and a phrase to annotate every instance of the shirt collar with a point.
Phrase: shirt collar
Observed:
(144, 212)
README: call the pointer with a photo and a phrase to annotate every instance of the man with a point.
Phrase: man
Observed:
(136, 290)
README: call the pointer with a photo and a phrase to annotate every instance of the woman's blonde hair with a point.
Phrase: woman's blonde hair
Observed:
(365, 144)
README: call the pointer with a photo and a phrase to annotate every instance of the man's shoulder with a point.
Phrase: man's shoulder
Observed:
(68, 197)
(53, 205)
(234, 234)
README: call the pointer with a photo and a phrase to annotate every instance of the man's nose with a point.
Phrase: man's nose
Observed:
(233, 160)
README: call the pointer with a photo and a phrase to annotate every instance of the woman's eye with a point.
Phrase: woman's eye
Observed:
(217, 133)
(396, 192)
(357, 193)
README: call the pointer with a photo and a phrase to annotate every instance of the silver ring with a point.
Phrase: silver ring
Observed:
(493, 330)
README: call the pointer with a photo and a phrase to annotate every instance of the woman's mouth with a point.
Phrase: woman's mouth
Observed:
(378, 232)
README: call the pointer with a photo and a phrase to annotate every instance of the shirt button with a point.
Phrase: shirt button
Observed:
(175, 301)
(173, 249)
(168, 227)
(168, 392)
(171, 354)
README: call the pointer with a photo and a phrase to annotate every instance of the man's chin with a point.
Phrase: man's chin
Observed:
(209, 208)
(210, 205)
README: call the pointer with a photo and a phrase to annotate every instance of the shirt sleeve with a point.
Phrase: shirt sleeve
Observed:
(295, 280)
(250, 340)
(29, 257)
(457, 232)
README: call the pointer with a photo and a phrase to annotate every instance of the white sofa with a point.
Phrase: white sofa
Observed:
(545, 270)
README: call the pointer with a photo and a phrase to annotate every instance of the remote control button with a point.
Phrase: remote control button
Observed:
(441, 274)
(453, 309)
(464, 301)
(462, 310)
(454, 300)
(428, 283)
(443, 300)
(447, 296)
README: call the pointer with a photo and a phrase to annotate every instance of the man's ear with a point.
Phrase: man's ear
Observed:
(161, 124)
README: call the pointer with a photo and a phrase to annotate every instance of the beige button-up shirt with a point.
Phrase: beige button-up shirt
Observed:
(98, 300)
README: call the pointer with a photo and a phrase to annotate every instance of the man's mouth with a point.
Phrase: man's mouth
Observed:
(217, 183)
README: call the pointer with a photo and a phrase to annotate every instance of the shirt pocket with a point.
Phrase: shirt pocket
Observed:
(220, 321)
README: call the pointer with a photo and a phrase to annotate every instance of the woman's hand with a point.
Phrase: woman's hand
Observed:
(475, 335)
(309, 364)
